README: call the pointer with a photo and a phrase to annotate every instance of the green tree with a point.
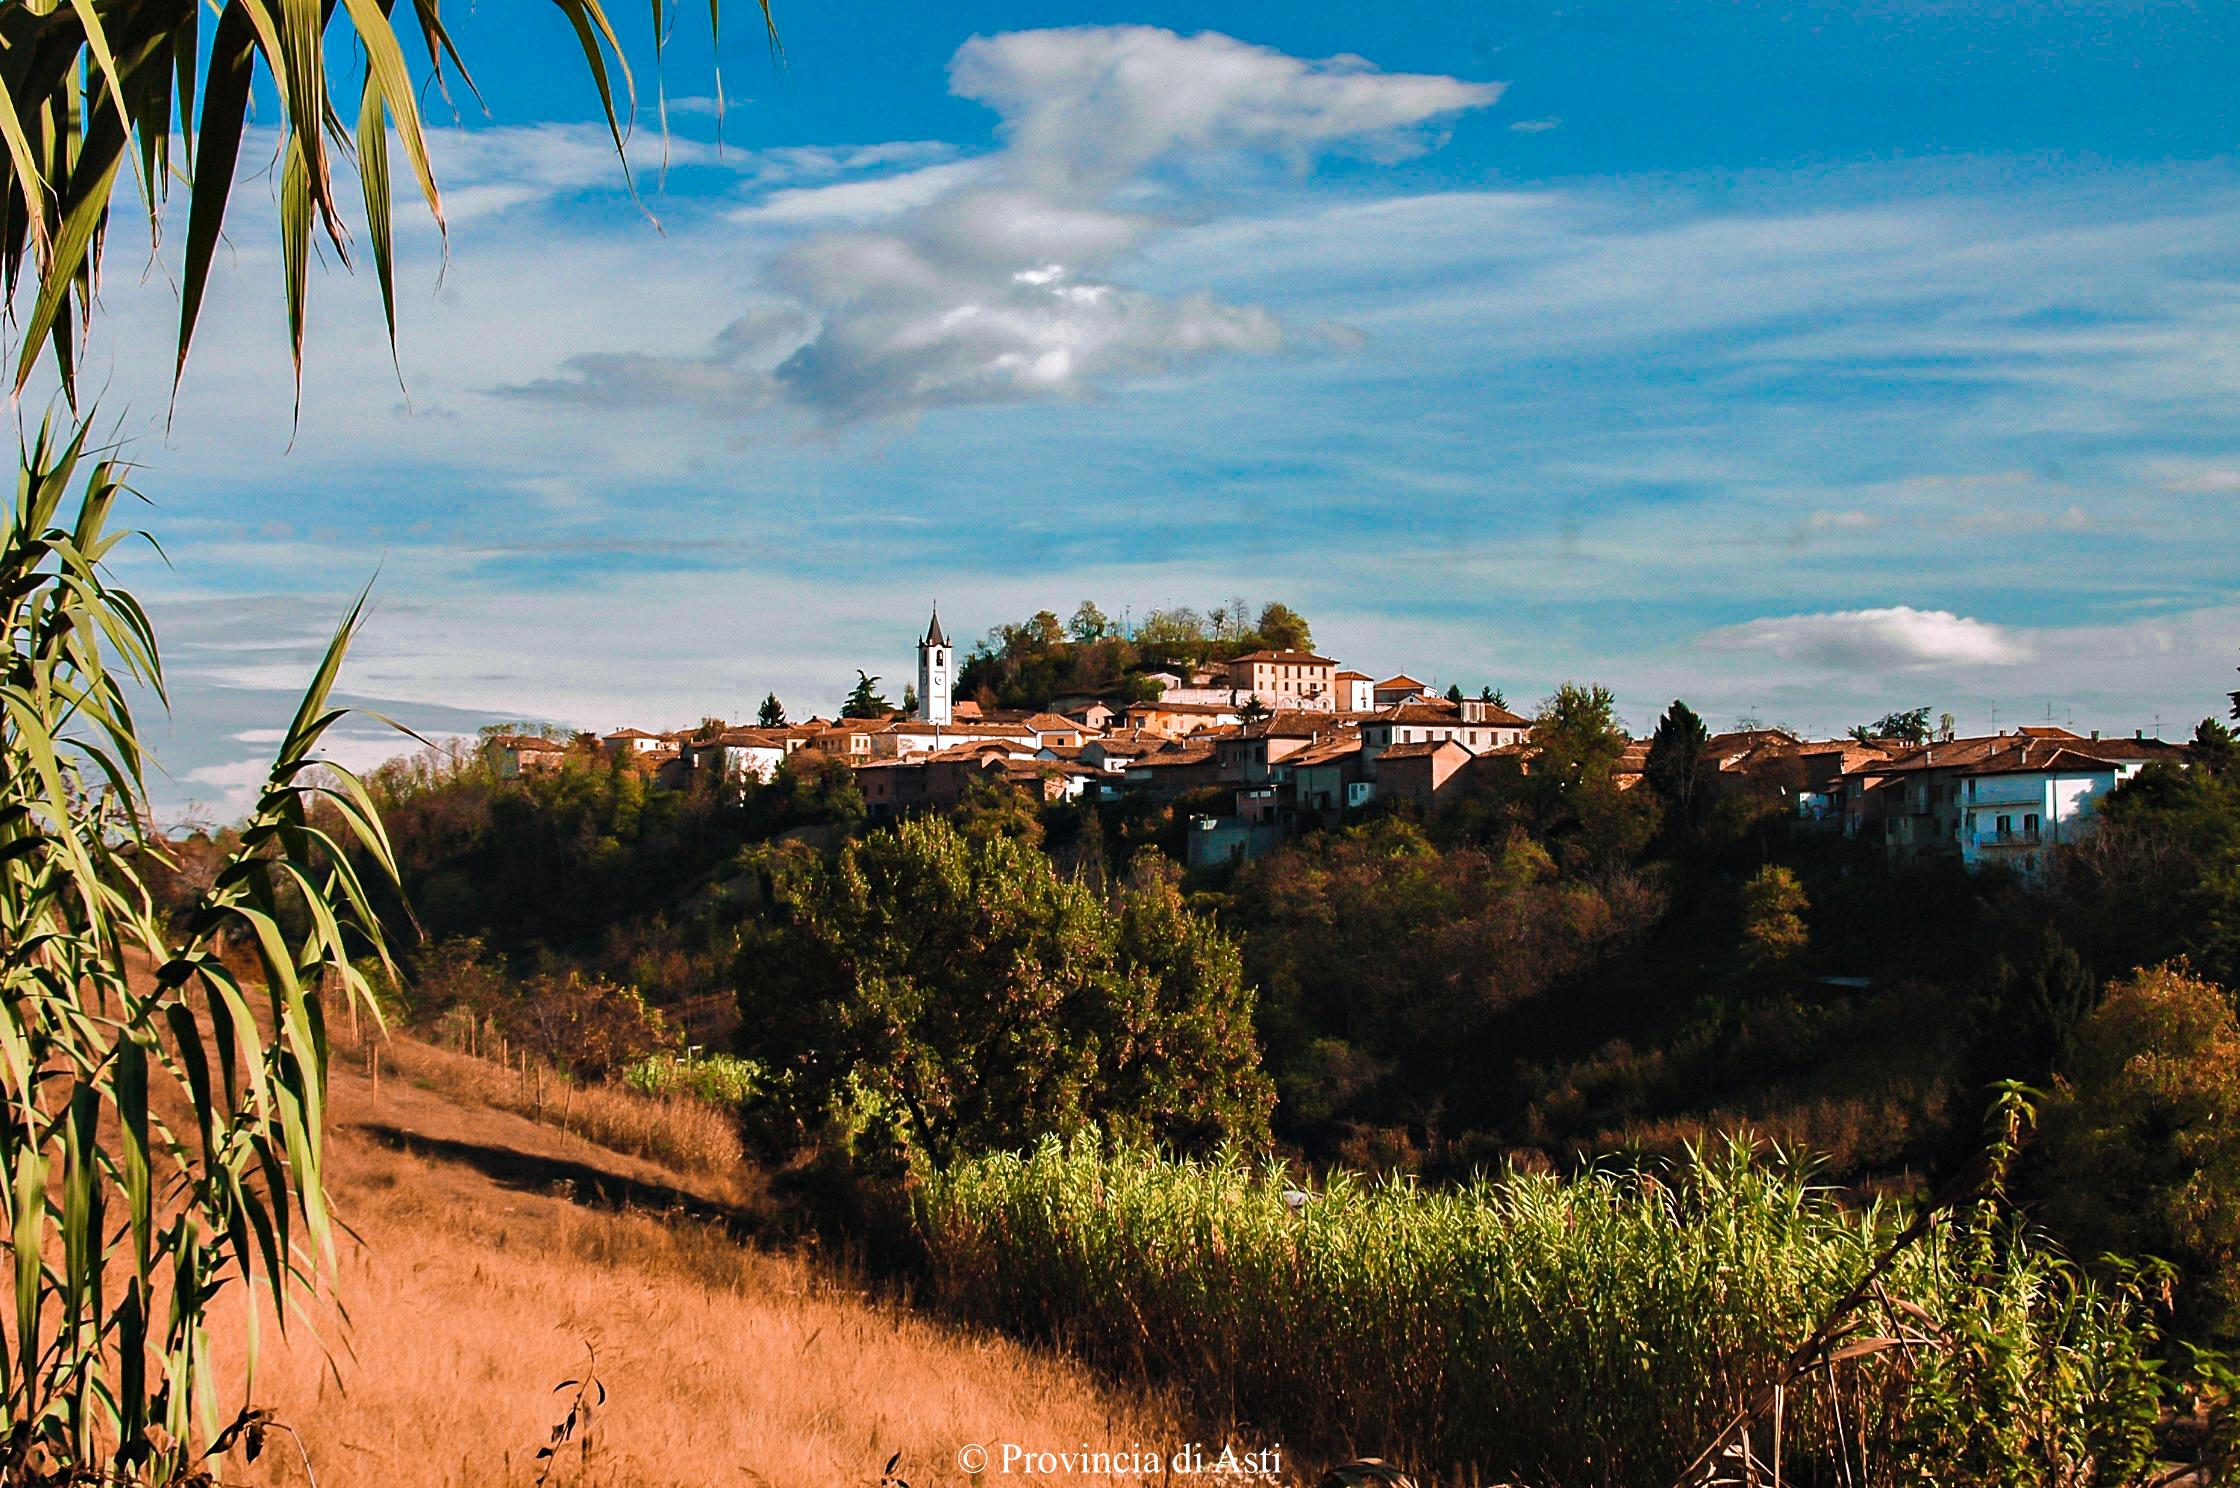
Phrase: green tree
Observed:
(1909, 726)
(2142, 1143)
(1283, 628)
(1454, 692)
(865, 699)
(1253, 710)
(1576, 801)
(772, 713)
(1773, 910)
(966, 987)
(997, 808)
(1088, 624)
(1676, 756)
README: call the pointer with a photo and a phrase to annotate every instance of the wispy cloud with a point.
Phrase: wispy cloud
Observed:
(1898, 638)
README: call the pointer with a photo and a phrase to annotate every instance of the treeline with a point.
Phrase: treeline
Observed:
(1556, 969)
(1028, 664)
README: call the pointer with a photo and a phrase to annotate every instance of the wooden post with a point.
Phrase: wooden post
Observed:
(376, 1071)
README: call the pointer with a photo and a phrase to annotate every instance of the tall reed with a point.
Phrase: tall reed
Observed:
(1591, 1331)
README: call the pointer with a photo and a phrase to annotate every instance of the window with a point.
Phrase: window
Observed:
(2030, 824)
(2006, 826)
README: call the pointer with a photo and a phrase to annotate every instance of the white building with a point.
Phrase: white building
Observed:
(937, 676)
(2019, 803)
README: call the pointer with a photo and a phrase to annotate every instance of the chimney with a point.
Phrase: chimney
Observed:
(2138, 733)
(2096, 735)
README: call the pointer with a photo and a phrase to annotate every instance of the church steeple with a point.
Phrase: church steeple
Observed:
(936, 673)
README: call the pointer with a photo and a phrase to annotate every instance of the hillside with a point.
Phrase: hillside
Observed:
(492, 1253)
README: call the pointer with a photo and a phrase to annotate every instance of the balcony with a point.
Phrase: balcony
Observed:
(2009, 839)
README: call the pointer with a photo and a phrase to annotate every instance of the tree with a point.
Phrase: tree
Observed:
(772, 713)
(1283, 628)
(865, 700)
(1088, 624)
(964, 987)
(1571, 790)
(1454, 692)
(1491, 694)
(997, 808)
(1773, 909)
(910, 699)
(1910, 726)
(1676, 757)
(2142, 1142)
(1253, 711)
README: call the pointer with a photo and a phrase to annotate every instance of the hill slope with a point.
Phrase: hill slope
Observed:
(492, 1254)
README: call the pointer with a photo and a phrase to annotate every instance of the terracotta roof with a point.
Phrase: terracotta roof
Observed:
(1432, 713)
(1402, 680)
(1294, 723)
(2031, 754)
(1354, 677)
(1051, 722)
(1422, 750)
(534, 743)
(1183, 754)
(1496, 714)
(631, 733)
(1326, 751)
(1208, 708)
(984, 730)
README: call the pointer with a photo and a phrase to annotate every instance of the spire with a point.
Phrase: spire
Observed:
(934, 636)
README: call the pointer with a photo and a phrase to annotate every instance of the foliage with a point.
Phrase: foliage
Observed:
(963, 985)
(864, 699)
(2160, 874)
(1030, 664)
(718, 1079)
(1676, 759)
(1907, 726)
(125, 1223)
(1571, 796)
(1773, 928)
(94, 83)
(772, 713)
(1374, 950)
(2143, 1146)
(1583, 1332)
(1283, 628)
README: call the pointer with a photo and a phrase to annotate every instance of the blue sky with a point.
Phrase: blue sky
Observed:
(1805, 361)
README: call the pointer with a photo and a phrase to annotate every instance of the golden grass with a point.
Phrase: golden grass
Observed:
(679, 1131)
(482, 1276)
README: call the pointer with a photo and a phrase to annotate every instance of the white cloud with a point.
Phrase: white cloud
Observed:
(1899, 638)
(998, 279)
(1085, 109)
(1536, 126)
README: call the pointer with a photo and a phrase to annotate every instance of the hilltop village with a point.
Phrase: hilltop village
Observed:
(1264, 744)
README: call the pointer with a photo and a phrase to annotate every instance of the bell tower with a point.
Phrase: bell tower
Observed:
(936, 673)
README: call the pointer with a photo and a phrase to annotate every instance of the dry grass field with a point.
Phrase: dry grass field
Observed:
(494, 1254)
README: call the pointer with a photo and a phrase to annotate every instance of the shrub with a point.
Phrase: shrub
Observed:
(2143, 1141)
(718, 1079)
